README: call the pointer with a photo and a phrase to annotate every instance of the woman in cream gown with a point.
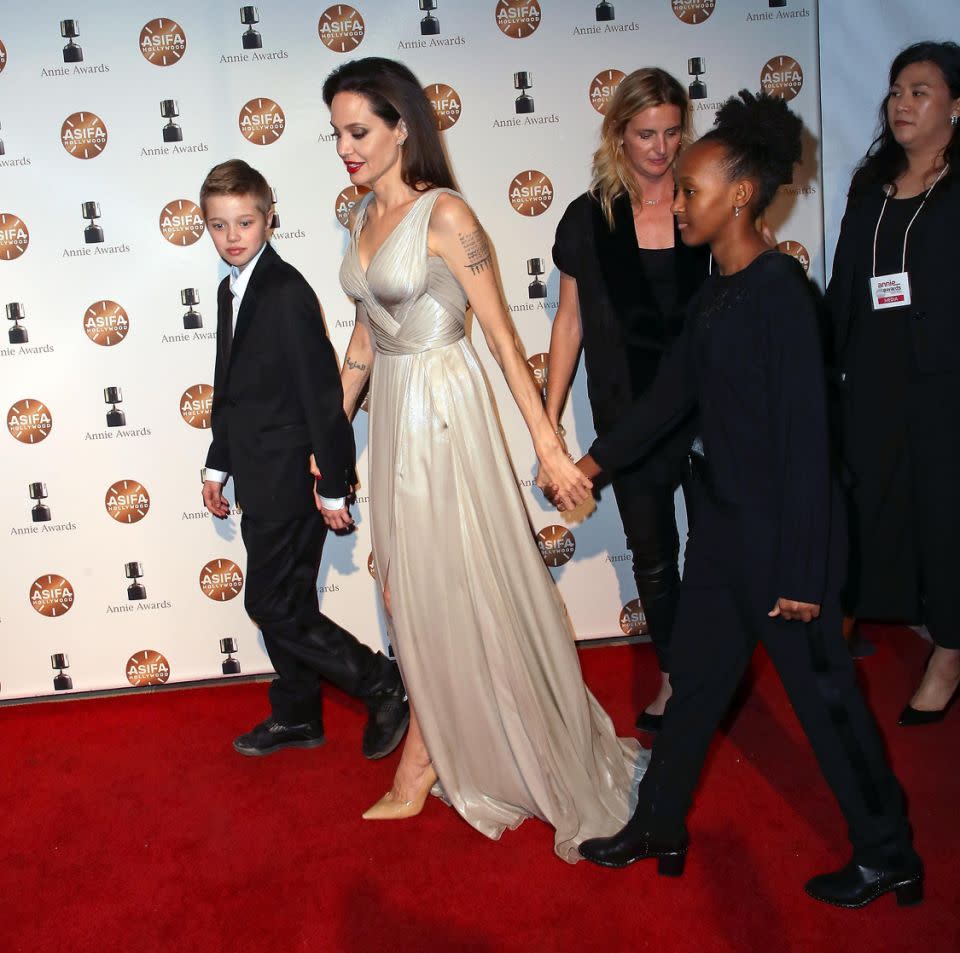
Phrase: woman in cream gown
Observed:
(500, 716)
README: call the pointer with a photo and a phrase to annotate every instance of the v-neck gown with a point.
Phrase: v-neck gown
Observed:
(482, 637)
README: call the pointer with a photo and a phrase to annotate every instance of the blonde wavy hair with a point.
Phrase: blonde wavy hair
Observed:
(640, 90)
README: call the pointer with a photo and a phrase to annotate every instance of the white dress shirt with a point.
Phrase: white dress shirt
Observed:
(239, 279)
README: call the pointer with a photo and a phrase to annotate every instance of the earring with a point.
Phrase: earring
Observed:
(736, 211)
(400, 142)
(955, 120)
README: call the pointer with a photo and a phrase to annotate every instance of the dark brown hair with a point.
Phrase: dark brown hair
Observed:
(235, 177)
(394, 93)
(885, 160)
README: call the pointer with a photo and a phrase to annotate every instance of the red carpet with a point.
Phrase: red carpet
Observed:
(129, 824)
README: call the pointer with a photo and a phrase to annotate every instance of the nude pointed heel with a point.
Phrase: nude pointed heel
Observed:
(390, 808)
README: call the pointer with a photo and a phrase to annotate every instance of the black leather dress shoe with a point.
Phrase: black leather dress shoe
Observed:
(649, 723)
(388, 720)
(627, 847)
(273, 735)
(855, 885)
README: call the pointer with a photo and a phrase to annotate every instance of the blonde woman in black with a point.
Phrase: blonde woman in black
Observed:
(625, 280)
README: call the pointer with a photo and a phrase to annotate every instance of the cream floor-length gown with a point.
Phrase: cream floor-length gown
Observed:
(482, 637)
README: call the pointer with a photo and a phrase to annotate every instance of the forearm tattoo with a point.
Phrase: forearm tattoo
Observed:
(477, 249)
(356, 365)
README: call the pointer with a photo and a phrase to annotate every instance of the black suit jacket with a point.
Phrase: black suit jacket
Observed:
(277, 396)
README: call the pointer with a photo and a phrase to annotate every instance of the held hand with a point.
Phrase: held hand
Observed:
(795, 611)
(562, 483)
(214, 500)
(340, 521)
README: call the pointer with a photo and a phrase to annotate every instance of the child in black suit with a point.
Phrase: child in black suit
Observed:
(277, 424)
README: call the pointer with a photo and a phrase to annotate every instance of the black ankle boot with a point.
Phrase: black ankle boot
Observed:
(630, 845)
(856, 885)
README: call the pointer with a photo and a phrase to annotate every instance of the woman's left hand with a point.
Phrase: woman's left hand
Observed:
(561, 481)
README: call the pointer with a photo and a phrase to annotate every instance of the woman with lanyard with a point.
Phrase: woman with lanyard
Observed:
(625, 280)
(896, 341)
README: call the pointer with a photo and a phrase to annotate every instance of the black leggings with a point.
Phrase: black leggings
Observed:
(650, 524)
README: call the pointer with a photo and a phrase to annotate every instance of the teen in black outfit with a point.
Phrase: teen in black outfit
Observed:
(767, 558)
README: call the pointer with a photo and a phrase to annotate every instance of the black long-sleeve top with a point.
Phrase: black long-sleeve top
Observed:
(750, 356)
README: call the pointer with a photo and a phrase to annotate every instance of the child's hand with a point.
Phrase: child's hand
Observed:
(791, 610)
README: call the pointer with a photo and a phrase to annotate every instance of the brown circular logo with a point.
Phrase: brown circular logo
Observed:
(341, 28)
(84, 135)
(518, 20)
(531, 192)
(51, 595)
(446, 104)
(221, 580)
(538, 367)
(632, 619)
(557, 545)
(782, 76)
(346, 201)
(127, 501)
(196, 404)
(693, 11)
(106, 323)
(3, 56)
(262, 121)
(14, 236)
(796, 250)
(163, 42)
(602, 88)
(147, 668)
(371, 567)
(29, 421)
(181, 222)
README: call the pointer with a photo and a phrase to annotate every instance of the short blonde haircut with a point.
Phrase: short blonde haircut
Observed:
(236, 177)
(642, 89)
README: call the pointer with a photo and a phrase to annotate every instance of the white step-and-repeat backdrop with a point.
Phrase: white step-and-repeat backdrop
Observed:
(113, 574)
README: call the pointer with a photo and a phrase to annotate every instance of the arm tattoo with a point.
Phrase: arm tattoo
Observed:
(477, 249)
(355, 365)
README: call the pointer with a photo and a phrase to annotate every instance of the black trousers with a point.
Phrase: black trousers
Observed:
(283, 558)
(726, 593)
(649, 522)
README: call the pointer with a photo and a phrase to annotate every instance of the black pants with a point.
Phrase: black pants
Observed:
(283, 558)
(649, 521)
(727, 591)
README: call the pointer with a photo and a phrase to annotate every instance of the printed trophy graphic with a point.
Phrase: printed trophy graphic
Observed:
(230, 665)
(536, 288)
(429, 25)
(523, 81)
(40, 512)
(170, 109)
(251, 39)
(115, 417)
(61, 682)
(70, 29)
(777, 3)
(15, 313)
(136, 589)
(275, 216)
(192, 319)
(3, 148)
(93, 233)
(605, 12)
(695, 66)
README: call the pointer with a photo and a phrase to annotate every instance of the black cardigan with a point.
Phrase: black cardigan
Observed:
(614, 294)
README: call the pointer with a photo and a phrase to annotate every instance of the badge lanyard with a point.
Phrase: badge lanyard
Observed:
(893, 291)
